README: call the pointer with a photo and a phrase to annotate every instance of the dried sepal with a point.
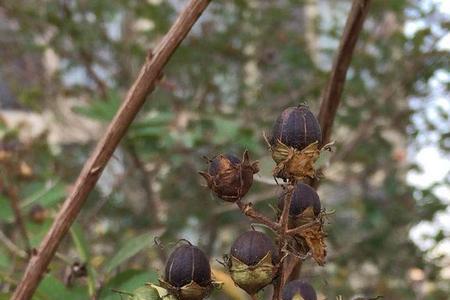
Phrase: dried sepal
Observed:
(293, 164)
(313, 234)
(187, 273)
(255, 277)
(190, 291)
(253, 261)
(229, 177)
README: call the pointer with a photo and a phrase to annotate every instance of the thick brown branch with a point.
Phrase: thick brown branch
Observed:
(333, 91)
(144, 84)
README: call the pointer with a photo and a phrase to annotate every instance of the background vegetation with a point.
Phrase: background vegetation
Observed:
(65, 66)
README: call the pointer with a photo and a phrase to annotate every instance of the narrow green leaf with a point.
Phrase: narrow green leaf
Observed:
(128, 280)
(129, 249)
(51, 288)
(46, 196)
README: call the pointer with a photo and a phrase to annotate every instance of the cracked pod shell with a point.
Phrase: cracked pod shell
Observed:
(303, 196)
(296, 127)
(298, 290)
(229, 177)
(188, 273)
(253, 261)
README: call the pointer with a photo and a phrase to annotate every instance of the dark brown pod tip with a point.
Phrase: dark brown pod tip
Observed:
(298, 290)
(187, 264)
(303, 196)
(229, 177)
(296, 127)
(252, 246)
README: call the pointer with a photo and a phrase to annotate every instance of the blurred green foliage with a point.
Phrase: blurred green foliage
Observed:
(241, 65)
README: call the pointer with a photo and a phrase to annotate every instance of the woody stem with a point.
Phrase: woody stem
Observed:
(249, 211)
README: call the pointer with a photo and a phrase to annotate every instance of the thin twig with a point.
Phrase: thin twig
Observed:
(11, 246)
(14, 200)
(143, 85)
(284, 224)
(248, 210)
(333, 91)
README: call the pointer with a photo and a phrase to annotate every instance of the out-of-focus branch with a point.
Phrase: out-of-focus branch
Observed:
(333, 91)
(143, 85)
(11, 193)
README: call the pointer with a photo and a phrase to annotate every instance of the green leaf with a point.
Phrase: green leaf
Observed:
(47, 197)
(128, 280)
(6, 213)
(51, 288)
(101, 110)
(129, 249)
(79, 240)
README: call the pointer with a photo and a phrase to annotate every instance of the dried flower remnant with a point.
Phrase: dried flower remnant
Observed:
(229, 177)
(253, 261)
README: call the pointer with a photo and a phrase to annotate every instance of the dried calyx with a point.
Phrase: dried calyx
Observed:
(253, 261)
(229, 177)
(298, 290)
(295, 142)
(188, 274)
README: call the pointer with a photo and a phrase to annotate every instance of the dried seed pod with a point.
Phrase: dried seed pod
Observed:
(188, 273)
(229, 177)
(304, 202)
(38, 213)
(253, 261)
(296, 127)
(298, 290)
(294, 143)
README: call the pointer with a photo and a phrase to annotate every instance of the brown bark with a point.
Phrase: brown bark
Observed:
(143, 85)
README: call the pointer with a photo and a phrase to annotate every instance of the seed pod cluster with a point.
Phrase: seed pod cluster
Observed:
(253, 261)
(294, 143)
(299, 290)
(187, 274)
(305, 202)
(229, 177)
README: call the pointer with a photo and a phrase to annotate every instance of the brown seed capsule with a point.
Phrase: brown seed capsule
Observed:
(188, 274)
(229, 177)
(253, 261)
(305, 211)
(294, 143)
(298, 290)
(303, 197)
(296, 127)
(38, 213)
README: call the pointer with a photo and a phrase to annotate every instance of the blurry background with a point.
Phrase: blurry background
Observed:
(65, 66)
